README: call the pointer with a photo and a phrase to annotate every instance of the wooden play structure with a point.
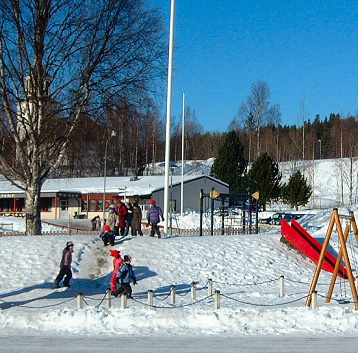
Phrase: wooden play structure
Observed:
(343, 253)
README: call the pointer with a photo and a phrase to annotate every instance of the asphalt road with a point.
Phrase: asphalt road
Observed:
(158, 344)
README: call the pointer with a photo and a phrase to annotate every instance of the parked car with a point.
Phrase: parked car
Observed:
(288, 217)
(267, 220)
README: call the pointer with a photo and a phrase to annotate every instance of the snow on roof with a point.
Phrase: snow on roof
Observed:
(144, 185)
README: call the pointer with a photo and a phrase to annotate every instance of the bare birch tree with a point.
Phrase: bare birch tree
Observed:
(258, 108)
(56, 56)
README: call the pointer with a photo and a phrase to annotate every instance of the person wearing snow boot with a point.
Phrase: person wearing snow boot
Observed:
(122, 212)
(113, 220)
(108, 236)
(65, 266)
(137, 220)
(154, 214)
(117, 264)
(125, 276)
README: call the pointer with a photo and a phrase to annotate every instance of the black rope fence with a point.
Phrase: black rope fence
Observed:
(162, 296)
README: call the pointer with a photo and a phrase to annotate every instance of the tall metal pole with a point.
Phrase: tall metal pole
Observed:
(104, 180)
(182, 162)
(320, 149)
(169, 112)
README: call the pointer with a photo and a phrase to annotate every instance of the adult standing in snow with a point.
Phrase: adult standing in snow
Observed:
(117, 264)
(122, 212)
(154, 214)
(113, 219)
(125, 276)
(137, 220)
(65, 266)
(129, 219)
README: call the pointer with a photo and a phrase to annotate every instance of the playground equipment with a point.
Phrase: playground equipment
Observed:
(300, 239)
(241, 206)
(343, 237)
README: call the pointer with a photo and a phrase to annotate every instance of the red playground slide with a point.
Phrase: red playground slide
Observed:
(299, 238)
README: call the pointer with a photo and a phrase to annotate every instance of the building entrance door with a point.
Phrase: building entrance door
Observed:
(64, 209)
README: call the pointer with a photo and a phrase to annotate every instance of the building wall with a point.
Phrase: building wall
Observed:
(191, 193)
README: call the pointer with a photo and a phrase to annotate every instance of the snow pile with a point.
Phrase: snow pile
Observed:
(246, 269)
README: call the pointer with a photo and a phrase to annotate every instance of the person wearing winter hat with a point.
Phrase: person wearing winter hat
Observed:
(125, 276)
(107, 236)
(113, 219)
(137, 220)
(117, 264)
(65, 266)
(129, 219)
(122, 212)
(153, 216)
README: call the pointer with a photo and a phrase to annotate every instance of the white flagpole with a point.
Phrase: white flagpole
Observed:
(182, 162)
(169, 112)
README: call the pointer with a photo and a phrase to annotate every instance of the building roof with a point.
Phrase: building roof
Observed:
(140, 186)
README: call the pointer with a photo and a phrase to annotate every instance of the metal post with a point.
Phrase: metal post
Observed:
(314, 304)
(182, 162)
(150, 298)
(282, 286)
(108, 299)
(169, 114)
(113, 133)
(212, 216)
(79, 301)
(193, 291)
(172, 295)
(124, 301)
(210, 286)
(201, 210)
(222, 216)
(217, 300)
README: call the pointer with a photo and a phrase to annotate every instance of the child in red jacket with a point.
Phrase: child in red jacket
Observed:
(117, 264)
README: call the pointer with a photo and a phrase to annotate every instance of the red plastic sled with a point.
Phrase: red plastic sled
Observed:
(300, 239)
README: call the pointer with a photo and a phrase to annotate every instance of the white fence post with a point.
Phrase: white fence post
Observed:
(210, 287)
(282, 286)
(172, 295)
(79, 301)
(108, 299)
(193, 291)
(150, 298)
(217, 300)
(124, 301)
(314, 304)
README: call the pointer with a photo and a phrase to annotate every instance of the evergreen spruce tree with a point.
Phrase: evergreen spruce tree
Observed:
(296, 192)
(264, 177)
(230, 164)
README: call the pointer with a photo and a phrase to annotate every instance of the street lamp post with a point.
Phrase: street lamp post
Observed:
(320, 149)
(113, 134)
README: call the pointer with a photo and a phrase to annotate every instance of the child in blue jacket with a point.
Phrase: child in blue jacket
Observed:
(125, 276)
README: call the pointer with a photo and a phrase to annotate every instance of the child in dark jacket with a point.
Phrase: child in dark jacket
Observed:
(125, 276)
(154, 215)
(107, 236)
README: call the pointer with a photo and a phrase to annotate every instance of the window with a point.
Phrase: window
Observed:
(100, 203)
(46, 204)
(84, 205)
(93, 205)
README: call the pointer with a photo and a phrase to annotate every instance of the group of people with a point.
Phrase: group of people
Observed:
(120, 219)
(123, 272)
(123, 217)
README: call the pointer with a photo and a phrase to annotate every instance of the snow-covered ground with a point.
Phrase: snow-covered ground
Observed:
(245, 268)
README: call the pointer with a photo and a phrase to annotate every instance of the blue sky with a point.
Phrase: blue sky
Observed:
(307, 51)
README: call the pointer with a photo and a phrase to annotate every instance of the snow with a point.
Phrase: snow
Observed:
(245, 269)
